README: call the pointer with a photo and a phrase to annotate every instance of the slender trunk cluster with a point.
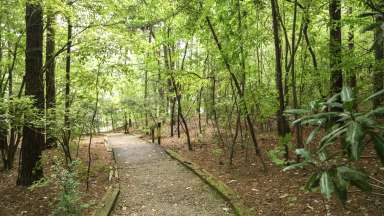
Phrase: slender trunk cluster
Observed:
(282, 123)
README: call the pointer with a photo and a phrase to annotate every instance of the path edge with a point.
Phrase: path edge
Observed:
(110, 198)
(227, 193)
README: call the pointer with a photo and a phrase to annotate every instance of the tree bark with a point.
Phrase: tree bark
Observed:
(335, 47)
(199, 109)
(378, 73)
(351, 47)
(50, 84)
(33, 138)
(299, 137)
(67, 122)
(282, 124)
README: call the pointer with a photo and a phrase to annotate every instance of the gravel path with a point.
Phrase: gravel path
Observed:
(154, 184)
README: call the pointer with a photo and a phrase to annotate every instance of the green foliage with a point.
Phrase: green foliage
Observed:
(217, 152)
(43, 182)
(69, 199)
(346, 134)
(277, 154)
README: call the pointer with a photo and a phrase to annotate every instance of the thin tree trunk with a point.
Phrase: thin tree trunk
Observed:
(282, 124)
(3, 132)
(67, 122)
(232, 152)
(313, 55)
(172, 123)
(180, 113)
(199, 109)
(299, 137)
(239, 92)
(50, 79)
(178, 120)
(146, 97)
(92, 127)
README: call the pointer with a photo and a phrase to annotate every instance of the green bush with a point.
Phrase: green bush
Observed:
(347, 134)
(69, 198)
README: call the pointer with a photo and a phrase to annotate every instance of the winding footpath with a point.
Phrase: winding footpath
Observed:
(153, 184)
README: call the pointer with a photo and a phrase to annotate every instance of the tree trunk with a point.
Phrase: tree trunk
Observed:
(335, 47)
(239, 92)
(282, 124)
(178, 120)
(125, 123)
(172, 122)
(313, 55)
(378, 73)
(3, 132)
(33, 138)
(180, 113)
(50, 79)
(67, 122)
(146, 97)
(112, 121)
(199, 109)
(299, 137)
(351, 47)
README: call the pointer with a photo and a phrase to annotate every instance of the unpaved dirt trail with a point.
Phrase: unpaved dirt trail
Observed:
(154, 184)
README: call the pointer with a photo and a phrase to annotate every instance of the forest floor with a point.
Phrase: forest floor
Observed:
(274, 192)
(40, 201)
(154, 184)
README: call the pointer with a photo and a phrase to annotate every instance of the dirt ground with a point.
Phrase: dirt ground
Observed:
(274, 192)
(153, 184)
(15, 201)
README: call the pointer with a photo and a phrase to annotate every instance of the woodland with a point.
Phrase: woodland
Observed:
(281, 99)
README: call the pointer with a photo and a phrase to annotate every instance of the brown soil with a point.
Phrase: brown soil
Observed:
(273, 192)
(40, 201)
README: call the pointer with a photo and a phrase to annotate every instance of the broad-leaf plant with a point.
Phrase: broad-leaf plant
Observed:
(340, 135)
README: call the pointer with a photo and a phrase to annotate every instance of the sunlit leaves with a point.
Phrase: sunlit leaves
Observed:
(326, 185)
(354, 138)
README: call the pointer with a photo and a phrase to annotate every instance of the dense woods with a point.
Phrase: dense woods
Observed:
(306, 75)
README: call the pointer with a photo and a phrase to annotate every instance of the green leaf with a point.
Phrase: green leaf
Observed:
(334, 105)
(303, 153)
(312, 135)
(313, 182)
(366, 121)
(354, 140)
(323, 156)
(295, 166)
(378, 141)
(378, 111)
(330, 137)
(334, 98)
(296, 111)
(347, 94)
(374, 95)
(341, 186)
(371, 27)
(326, 185)
(367, 14)
(318, 116)
(357, 178)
